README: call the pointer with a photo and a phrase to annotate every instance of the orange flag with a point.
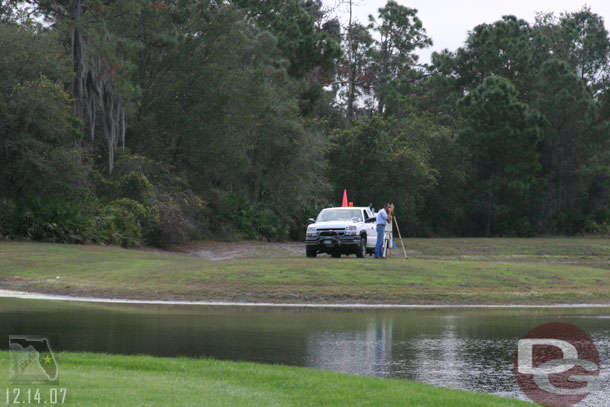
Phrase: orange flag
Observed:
(344, 204)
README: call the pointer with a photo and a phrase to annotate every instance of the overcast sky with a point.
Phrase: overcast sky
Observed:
(448, 22)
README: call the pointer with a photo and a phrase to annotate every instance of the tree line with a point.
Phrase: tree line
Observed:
(155, 122)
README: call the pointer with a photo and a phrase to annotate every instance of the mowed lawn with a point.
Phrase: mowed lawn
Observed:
(93, 380)
(438, 271)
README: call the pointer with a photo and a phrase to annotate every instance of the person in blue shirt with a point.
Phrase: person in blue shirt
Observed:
(382, 220)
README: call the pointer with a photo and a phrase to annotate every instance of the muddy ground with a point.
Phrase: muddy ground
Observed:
(216, 250)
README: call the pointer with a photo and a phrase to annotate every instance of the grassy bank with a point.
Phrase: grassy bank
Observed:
(110, 380)
(439, 271)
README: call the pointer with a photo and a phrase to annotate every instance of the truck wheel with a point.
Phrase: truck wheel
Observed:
(311, 251)
(336, 255)
(361, 248)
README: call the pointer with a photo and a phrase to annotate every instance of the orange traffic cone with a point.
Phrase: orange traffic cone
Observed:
(344, 204)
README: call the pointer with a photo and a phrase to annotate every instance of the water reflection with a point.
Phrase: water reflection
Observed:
(468, 349)
(367, 352)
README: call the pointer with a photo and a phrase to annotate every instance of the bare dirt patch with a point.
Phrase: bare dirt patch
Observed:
(217, 250)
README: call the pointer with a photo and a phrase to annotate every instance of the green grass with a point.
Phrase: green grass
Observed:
(439, 271)
(111, 380)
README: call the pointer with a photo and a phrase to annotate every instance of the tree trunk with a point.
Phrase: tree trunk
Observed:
(489, 207)
(78, 58)
(350, 68)
(384, 70)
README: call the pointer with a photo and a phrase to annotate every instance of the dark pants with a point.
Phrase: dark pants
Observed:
(380, 239)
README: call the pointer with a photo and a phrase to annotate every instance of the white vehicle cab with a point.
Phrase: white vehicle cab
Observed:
(344, 230)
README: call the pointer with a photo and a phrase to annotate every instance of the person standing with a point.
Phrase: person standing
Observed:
(381, 221)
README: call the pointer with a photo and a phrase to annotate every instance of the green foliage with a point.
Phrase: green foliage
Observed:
(580, 39)
(599, 224)
(569, 112)
(234, 217)
(303, 43)
(51, 220)
(556, 68)
(443, 211)
(503, 48)
(180, 218)
(38, 133)
(135, 186)
(241, 127)
(7, 209)
(121, 222)
(172, 213)
(502, 136)
(385, 160)
(241, 118)
(400, 33)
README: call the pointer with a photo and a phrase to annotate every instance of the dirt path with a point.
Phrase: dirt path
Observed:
(216, 250)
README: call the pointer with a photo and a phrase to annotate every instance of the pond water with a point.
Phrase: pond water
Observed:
(469, 349)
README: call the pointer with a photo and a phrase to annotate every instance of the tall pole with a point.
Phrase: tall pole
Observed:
(401, 242)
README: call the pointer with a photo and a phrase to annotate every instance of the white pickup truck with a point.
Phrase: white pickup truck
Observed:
(342, 230)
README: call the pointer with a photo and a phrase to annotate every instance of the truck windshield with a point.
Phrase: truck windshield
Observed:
(340, 215)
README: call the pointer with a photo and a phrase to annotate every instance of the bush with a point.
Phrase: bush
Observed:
(232, 215)
(134, 185)
(298, 223)
(51, 219)
(172, 212)
(599, 224)
(122, 221)
(7, 209)
(180, 219)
